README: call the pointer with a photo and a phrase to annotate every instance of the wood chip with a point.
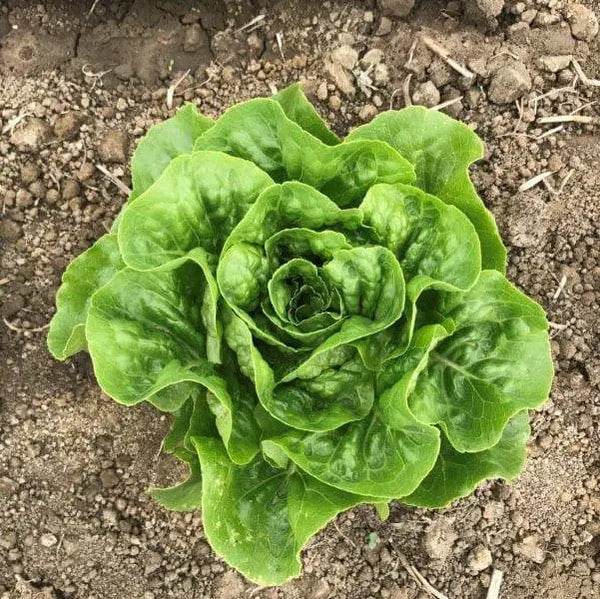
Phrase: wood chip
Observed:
(535, 180)
(444, 54)
(495, 584)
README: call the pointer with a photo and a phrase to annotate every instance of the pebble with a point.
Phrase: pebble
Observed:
(193, 37)
(121, 104)
(109, 478)
(426, 94)
(372, 58)
(509, 83)
(583, 22)
(483, 13)
(530, 549)
(480, 559)
(385, 27)
(31, 136)
(553, 64)
(48, 540)
(30, 173)
(114, 147)
(70, 189)
(67, 125)
(395, 8)
(346, 56)
(367, 112)
(340, 78)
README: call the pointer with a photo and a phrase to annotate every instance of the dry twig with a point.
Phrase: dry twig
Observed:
(418, 577)
(173, 87)
(17, 329)
(549, 132)
(117, 182)
(256, 20)
(495, 584)
(570, 118)
(406, 90)
(561, 286)
(584, 78)
(445, 56)
(535, 180)
(446, 103)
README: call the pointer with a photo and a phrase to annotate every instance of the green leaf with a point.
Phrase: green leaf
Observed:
(145, 338)
(388, 453)
(184, 496)
(196, 202)
(441, 150)
(496, 363)
(258, 518)
(298, 109)
(259, 131)
(87, 273)
(162, 143)
(458, 474)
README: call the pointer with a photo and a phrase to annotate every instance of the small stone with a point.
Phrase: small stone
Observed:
(553, 64)
(228, 73)
(256, 44)
(335, 102)
(114, 147)
(584, 23)
(109, 478)
(48, 540)
(9, 231)
(121, 105)
(372, 58)
(31, 136)
(30, 173)
(67, 125)
(545, 19)
(381, 74)
(528, 16)
(346, 56)
(340, 77)
(509, 83)
(70, 189)
(530, 549)
(322, 92)
(439, 539)
(367, 112)
(193, 38)
(8, 486)
(483, 13)
(385, 27)
(395, 8)
(480, 559)
(24, 199)
(86, 171)
(426, 94)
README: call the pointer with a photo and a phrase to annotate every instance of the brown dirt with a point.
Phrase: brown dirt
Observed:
(74, 519)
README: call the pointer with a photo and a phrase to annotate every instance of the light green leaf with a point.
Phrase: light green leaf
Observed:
(185, 496)
(441, 150)
(388, 453)
(196, 202)
(496, 363)
(258, 518)
(87, 273)
(298, 109)
(162, 143)
(145, 338)
(259, 131)
(457, 474)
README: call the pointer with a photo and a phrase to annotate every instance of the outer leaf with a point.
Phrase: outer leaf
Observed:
(185, 496)
(145, 339)
(388, 453)
(495, 364)
(258, 517)
(87, 273)
(162, 143)
(298, 109)
(259, 131)
(196, 202)
(441, 150)
(458, 474)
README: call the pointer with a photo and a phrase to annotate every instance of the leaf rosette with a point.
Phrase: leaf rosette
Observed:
(328, 321)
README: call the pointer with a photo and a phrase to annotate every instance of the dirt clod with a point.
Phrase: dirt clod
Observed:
(114, 147)
(509, 83)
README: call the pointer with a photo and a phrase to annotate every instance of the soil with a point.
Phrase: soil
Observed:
(81, 82)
